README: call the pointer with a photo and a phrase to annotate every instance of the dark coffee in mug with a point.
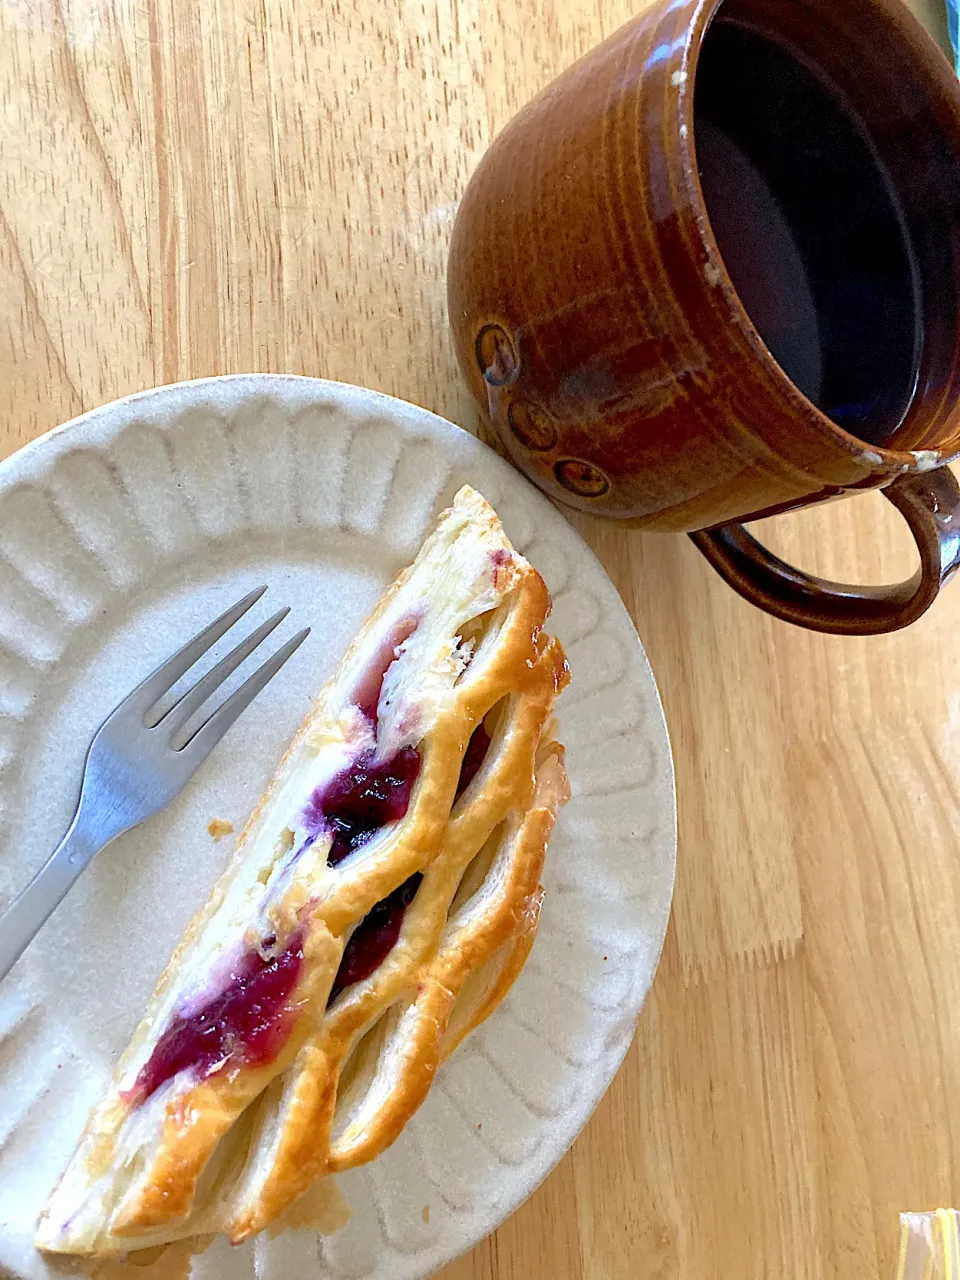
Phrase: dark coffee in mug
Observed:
(810, 228)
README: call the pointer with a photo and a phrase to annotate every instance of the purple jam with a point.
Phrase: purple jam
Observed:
(473, 757)
(377, 933)
(500, 558)
(247, 1024)
(367, 693)
(374, 937)
(361, 799)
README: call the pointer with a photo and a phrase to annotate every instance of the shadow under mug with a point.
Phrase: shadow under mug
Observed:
(599, 327)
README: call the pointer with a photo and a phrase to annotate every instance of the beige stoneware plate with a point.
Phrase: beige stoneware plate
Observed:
(120, 535)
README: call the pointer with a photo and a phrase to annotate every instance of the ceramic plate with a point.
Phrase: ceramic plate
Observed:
(121, 534)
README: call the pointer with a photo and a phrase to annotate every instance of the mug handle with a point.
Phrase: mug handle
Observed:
(930, 504)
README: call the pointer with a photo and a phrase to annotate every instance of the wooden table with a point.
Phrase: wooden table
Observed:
(197, 188)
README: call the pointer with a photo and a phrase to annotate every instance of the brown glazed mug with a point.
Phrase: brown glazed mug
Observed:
(598, 324)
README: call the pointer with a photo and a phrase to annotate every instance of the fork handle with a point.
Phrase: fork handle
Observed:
(23, 919)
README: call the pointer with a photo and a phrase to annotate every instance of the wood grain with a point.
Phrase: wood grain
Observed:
(269, 185)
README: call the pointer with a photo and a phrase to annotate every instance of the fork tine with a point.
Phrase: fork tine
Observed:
(213, 729)
(182, 710)
(168, 673)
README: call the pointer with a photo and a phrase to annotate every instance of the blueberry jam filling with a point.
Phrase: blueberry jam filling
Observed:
(367, 693)
(377, 933)
(473, 757)
(374, 937)
(247, 1024)
(361, 799)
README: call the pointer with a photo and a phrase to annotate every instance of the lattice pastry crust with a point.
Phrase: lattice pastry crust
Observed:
(341, 956)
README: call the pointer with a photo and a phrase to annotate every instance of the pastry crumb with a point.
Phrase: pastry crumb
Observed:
(219, 827)
(426, 1213)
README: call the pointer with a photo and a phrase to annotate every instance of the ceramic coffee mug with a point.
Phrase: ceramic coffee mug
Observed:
(712, 273)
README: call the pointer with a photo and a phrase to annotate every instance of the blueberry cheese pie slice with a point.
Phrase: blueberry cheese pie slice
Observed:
(380, 902)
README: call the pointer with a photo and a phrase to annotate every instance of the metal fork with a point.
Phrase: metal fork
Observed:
(139, 759)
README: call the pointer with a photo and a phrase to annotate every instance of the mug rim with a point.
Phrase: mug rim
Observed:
(872, 455)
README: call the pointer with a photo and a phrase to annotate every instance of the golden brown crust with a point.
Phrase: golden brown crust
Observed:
(452, 964)
(529, 675)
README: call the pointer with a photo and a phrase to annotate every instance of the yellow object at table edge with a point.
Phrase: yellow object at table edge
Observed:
(942, 1260)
